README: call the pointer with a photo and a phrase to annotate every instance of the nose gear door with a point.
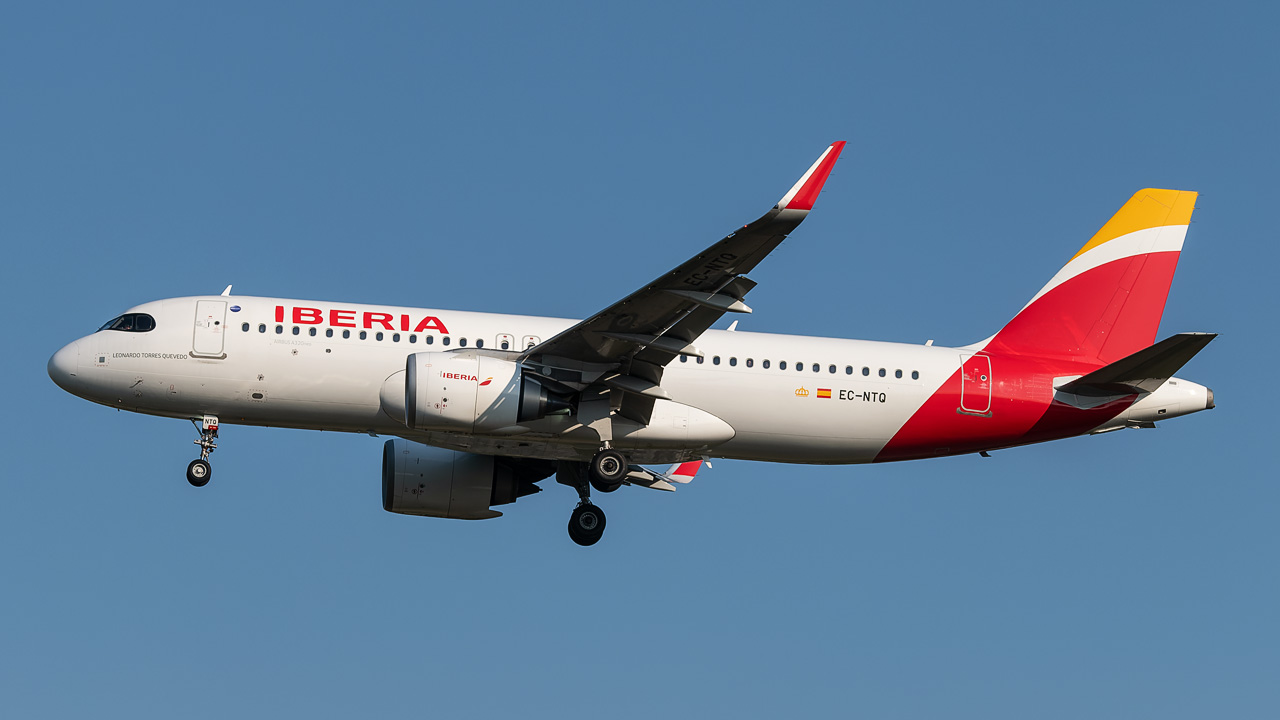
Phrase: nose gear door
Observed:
(975, 384)
(211, 317)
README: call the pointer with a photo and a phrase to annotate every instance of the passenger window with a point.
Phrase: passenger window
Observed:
(897, 374)
(346, 334)
(764, 364)
(733, 362)
(479, 343)
(364, 334)
(245, 327)
(848, 369)
(832, 369)
(296, 329)
(915, 374)
(700, 360)
(881, 372)
(750, 362)
(715, 360)
(328, 332)
(799, 367)
(683, 358)
(311, 332)
(395, 338)
(413, 339)
(445, 340)
(279, 329)
(262, 327)
(866, 371)
(378, 337)
(462, 342)
(428, 339)
(782, 364)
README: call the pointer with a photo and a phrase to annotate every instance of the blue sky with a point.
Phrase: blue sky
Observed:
(550, 159)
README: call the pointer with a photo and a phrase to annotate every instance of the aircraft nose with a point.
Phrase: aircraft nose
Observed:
(64, 365)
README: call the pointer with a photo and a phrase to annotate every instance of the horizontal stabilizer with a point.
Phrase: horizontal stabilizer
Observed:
(1143, 371)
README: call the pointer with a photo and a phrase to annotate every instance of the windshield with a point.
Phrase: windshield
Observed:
(130, 322)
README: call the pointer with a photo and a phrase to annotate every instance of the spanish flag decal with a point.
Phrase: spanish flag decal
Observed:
(824, 392)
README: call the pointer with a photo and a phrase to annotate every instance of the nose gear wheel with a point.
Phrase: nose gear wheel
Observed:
(200, 471)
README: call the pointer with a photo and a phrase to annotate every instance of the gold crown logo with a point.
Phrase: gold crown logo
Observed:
(801, 392)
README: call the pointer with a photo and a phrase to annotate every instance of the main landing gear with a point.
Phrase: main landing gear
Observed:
(606, 473)
(199, 471)
(608, 468)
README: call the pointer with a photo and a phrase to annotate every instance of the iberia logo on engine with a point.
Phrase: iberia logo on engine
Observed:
(458, 376)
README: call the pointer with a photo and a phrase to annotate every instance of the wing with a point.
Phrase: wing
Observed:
(625, 346)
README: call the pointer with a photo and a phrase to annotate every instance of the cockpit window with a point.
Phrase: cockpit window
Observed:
(131, 322)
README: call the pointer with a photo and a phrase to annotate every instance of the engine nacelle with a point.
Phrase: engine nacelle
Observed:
(420, 479)
(466, 392)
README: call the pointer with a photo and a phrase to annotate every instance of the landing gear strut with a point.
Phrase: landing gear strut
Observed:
(199, 471)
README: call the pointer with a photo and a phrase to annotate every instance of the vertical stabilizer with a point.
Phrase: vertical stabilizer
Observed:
(1106, 303)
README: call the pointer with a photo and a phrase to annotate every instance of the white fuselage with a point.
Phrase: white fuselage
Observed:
(754, 396)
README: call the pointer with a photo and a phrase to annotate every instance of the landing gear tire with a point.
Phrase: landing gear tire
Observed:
(608, 468)
(199, 472)
(586, 524)
(601, 487)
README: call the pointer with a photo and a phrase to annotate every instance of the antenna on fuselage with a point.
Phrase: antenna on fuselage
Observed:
(227, 292)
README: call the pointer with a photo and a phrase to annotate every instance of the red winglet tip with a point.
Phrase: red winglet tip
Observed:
(807, 195)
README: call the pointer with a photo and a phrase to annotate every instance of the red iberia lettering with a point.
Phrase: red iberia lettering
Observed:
(383, 319)
(307, 316)
(342, 318)
(349, 319)
(457, 376)
(431, 322)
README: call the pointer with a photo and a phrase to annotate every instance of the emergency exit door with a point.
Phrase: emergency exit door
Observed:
(211, 320)
(975, 384)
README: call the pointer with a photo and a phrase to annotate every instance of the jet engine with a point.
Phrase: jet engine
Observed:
(420, 479)
(466, 392)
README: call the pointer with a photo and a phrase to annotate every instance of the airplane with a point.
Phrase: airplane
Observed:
(480, 407)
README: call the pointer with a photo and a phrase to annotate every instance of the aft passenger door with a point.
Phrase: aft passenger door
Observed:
(211, 317)
(975, 384)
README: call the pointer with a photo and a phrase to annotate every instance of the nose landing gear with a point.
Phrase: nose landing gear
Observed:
(199, 471)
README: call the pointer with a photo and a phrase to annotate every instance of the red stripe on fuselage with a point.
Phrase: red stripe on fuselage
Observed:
(1022, 411)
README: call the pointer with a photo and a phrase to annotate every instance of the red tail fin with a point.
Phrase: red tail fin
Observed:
(1106, 303)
